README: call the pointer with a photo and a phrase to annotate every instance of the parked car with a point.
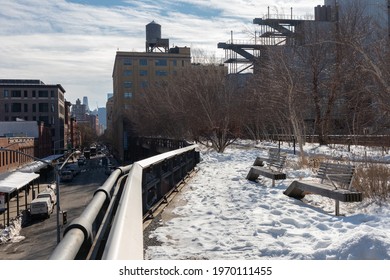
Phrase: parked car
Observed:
(41, 206)
(50, 194)
(87, 154)
(66, 175)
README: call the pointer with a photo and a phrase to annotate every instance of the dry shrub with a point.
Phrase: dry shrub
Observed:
(312, 162)
(373, 180)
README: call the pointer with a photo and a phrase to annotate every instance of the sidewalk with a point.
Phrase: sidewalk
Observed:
(24, 203)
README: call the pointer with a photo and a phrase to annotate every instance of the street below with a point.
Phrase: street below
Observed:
(40, 235)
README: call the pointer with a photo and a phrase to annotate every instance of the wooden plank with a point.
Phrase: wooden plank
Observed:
(331, 173)
(256, 171)
(259, 161)
(337, 173)
(275, 160)
(298, 189)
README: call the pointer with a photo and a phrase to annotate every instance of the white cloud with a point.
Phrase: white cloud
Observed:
(75, 45)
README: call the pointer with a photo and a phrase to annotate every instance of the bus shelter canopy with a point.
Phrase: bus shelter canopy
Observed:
(12, 181)
(36, 166)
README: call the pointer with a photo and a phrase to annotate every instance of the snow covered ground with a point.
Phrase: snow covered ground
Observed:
(225, 217)
(12, 232)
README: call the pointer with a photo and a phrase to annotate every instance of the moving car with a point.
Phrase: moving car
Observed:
(109, 169)
(66, 176)
(81, 161)
(73, 167)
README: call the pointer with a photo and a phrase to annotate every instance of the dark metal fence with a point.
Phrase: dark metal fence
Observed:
(364, 140)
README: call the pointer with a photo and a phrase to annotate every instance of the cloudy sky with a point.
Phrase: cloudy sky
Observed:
(74, 42)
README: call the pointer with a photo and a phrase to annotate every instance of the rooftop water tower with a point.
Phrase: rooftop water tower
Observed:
(154, 40)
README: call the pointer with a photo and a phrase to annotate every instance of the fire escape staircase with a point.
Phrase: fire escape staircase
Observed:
(275, 28)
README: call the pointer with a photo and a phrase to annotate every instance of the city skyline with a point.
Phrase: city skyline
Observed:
(74, 42)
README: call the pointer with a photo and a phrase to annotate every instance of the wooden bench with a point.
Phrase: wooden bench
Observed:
(269, 167)
(334, 181)
(272, 154)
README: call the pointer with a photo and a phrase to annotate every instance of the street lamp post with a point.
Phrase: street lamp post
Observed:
(57, 171)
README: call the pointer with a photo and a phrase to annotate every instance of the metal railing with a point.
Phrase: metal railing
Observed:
(111, 225)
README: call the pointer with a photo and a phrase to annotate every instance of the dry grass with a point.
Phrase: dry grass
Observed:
(312, 162)
(373, 180)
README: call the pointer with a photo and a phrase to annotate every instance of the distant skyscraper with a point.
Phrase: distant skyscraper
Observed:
(79, 111)
(85, 102)
(102, 114)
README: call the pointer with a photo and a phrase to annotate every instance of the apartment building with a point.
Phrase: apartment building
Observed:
(33, 100)
(135, 71)
(378, 11)
(10, 160)
(25, 129)
(79, 111)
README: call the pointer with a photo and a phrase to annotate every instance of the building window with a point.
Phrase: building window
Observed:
(174, 62)
(6, 93)
(16, 107)
(127, 73)
(34, 108)
(161, 73)
(52, 108)
(43, 108)
(16, 93)
(143, 62)
(127, 61)
(6, 109)
(25, 93)
(43, 93)
(161, 62)
(128, 95)
(128, 84)
(34, 93)
(52, 93)
(143, 72)
(25, 108)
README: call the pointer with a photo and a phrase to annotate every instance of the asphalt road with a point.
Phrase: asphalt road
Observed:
(41, 235)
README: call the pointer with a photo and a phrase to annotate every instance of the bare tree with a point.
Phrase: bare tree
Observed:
(280, 84)
(368, 44)
(200, 104)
